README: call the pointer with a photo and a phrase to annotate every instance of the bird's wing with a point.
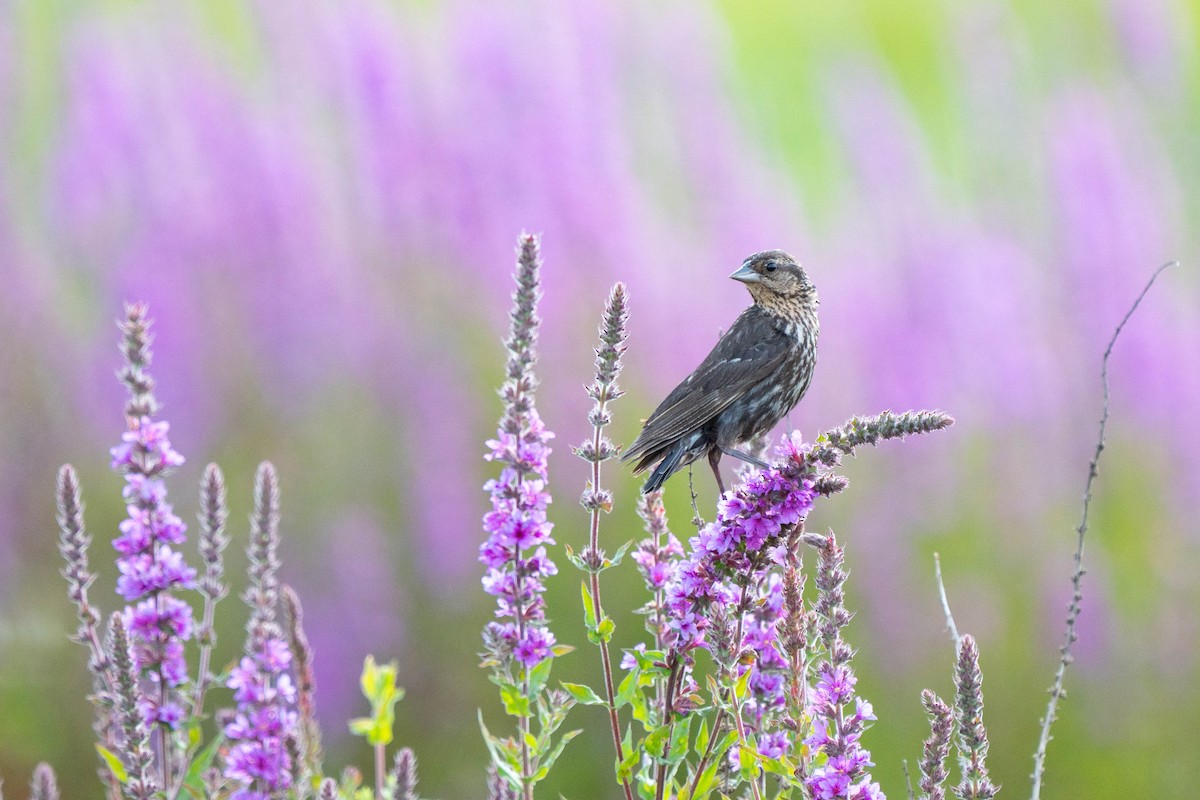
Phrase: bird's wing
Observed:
(749, 352)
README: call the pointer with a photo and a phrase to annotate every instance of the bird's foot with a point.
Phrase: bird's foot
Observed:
(749, 459)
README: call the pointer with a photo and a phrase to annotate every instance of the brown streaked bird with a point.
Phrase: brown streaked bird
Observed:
(756, 374)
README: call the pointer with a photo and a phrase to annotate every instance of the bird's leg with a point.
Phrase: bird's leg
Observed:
(749, 459)
(714, 461)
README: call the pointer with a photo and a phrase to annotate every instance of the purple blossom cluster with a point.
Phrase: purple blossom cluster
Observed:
(744, 538)
(836, 734)
(837, 730)
(264, 693)
(657, 557)
(265, 721)
(516, 523)
(768, 682)
(150, 568)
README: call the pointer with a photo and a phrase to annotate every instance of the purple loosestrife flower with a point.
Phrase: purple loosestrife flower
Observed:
(968, 717)
(308, 731)
(745, 537)
(937, 746)
(264, 721)
(404, 776)
(133, 747)
(151, 570)
(657, 557)
(44, 785)
(768, 679)
(839, 716)
(517, 522)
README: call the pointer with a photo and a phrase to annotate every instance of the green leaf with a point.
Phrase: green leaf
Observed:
(775, 767)
(740, 689)
(748, 762)
(549, 759)
(679, 740)
(627, 689)
(656, 741)
(113, 762)
(619, 555)
(725, 744)
(641, 709)
(379, 687)
(702, 736)
(202, 762)
(576, 560)
(515, 703)
(539, 675)
(633, 755)
(602, 632)
(193, 735)
(561, 650)
(503, 760)
(708, 780)
(584, 694)
(589, 613)
(650, 662)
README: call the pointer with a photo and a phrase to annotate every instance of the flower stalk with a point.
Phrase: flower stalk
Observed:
(595, 499)
(151, 569)
(258, 758)
(212, 541)
(517, 522)
(968, 717)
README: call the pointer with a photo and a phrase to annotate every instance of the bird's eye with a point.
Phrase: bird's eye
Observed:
(771, 266)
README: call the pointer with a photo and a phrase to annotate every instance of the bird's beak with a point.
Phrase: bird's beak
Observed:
(746, 275)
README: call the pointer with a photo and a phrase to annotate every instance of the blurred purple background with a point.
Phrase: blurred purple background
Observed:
(319, 201)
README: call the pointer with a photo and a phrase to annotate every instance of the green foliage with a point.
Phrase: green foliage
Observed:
(379, 687)
(114, 763)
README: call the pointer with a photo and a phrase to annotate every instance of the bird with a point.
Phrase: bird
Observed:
(757, 372)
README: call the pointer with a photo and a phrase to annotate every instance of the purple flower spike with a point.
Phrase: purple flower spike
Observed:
(748, 535)
(517, 522)
(151, 569)
(839, 716)
(265, 718)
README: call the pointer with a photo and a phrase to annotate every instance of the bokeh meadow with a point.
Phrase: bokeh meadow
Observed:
(319, 202)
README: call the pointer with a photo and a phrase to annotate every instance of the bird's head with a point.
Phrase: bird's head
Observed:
(776, 281)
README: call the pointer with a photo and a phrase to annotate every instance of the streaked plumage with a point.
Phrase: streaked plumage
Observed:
(755, 375)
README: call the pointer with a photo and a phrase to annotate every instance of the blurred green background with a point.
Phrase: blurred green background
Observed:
(319, 200)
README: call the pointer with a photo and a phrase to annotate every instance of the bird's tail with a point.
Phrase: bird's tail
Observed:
(681, 454)
(665, 469)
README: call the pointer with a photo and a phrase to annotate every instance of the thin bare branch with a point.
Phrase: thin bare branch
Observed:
(950, 626)
(1056, 691)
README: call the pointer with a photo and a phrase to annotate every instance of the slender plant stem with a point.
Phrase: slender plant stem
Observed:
(605, 660)
(798, 689)
(202, 677)
(737, 643)
(708, 751)
(659, 622)
(380, 769)
(732, 699)
(164, 737)
(519, 613)
(669, 720)
(1056, 691)
(697, 520)
(907, 779)
(523, 719)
